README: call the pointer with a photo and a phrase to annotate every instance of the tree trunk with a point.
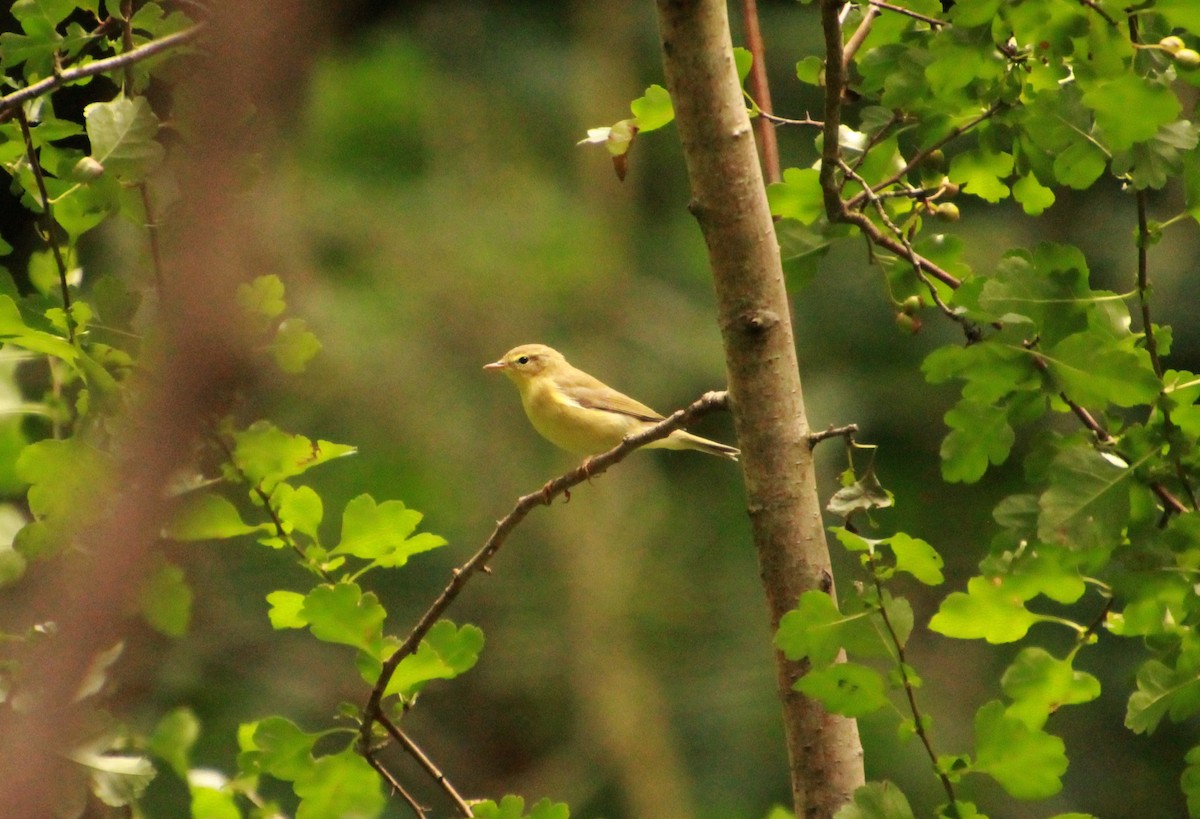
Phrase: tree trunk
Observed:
(729, 201)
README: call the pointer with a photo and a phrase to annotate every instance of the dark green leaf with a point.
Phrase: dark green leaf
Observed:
(1087, 503)
(979, 434)
(1027, 762)
(1039, 684)
(848, 689)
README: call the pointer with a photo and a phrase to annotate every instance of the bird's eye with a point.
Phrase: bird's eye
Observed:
(523, 359)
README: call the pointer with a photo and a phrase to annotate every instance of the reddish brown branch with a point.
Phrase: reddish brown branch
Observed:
(760, 90)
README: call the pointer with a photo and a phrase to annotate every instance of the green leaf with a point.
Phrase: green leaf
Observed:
(1080, 164)
(381, 533)
(653, 109)
(165, 600)
(339, 786)
(267, 455)
(798, 196)
(63, 475)
(1190, 781)
(1094, 371)
(990, 609)
(278, 748)
(865, 494)
(811, 630)
(286, 608)
(991, 370)
(294, 346)
(1033, 195)
(809, 70)
(207, 516)
(980, 171)
(341, 613)
(876, 800)
(446, 652)
(848, 689)
(1162, 691)
(513, 807)
(13, 330)
(1112, 100)
(299, 508)
(1087, 502)
(1027, 762)
(916, 557)
(173, 738)
(979, 434)
(1180, 14)
(262, 297)
(1039, 684)
(122, 134)
(743, 59)
(208, 803)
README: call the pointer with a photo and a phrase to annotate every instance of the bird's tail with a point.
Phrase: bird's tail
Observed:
(686, 440)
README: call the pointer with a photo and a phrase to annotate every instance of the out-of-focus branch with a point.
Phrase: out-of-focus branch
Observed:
(92, 69)
(760, 90)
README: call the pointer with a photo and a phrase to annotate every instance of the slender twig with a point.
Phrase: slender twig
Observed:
(280, 530)
(856, 39)
(910, 691)
(778, 120)
(1094, 6)
(142, 52)
(396, 787)
(898, 245)
(422, 759)
(143, 188)
(1170, 430)
(768, 145)
(848, 432)
(47, 208)
(592, 467)
(922, 155)
(933, 21)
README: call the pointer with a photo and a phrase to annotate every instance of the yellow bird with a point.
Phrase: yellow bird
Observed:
(580, 414)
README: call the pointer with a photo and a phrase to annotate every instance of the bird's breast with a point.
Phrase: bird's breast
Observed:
(566, 424)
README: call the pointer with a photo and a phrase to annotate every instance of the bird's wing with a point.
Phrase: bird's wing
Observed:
(591, 393)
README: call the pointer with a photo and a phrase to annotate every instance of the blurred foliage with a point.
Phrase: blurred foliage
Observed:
(427, 210)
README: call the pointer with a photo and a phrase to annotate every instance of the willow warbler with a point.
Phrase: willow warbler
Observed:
(576, 412)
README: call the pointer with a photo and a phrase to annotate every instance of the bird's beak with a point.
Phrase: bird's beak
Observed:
(496, 365)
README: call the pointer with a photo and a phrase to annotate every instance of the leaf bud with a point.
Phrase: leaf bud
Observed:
(908, 324)
(1171, 44)
(1188, 57)
(947, 212)
(87, 169)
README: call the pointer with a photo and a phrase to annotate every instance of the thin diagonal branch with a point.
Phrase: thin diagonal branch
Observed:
(422, 759)
(396, 787)
(921, 156)
(47, 209)
(142, 52)
(373, 712)
(933, 21)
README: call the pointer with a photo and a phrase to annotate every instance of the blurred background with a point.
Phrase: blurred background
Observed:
(425, 202)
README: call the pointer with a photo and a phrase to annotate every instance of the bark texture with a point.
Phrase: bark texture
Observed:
(729, 201)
